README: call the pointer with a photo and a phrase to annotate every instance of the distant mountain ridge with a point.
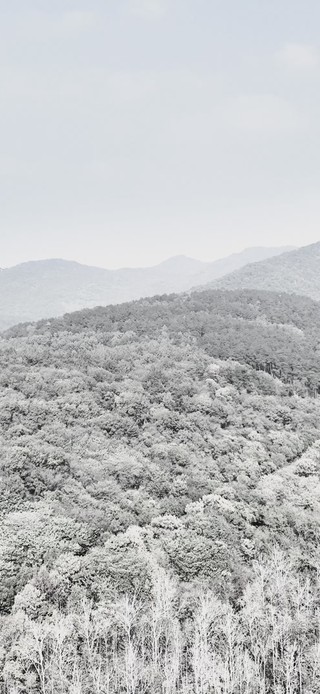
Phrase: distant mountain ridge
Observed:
(294, 272)
(48, 288)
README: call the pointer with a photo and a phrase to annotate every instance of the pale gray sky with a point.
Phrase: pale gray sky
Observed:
(132, 130)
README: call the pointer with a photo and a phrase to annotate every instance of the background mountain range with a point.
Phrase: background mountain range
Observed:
(49, 288)
(297, 271)
(46, 288)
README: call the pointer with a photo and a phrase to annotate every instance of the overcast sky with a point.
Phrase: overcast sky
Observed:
(132, 130)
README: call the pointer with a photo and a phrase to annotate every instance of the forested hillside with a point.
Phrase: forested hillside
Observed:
(297, 271)
(46, 288)
(160, 498)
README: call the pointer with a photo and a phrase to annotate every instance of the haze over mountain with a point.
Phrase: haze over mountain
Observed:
(46, 288)
(296, 271)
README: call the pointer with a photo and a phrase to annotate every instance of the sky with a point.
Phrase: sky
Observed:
(134, 130)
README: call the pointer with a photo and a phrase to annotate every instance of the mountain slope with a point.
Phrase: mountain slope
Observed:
(126, 415)
(296, 272)
(114, 416)
(160, 495)
(42, 289)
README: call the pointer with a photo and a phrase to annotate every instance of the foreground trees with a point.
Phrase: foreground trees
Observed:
(179, 640)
